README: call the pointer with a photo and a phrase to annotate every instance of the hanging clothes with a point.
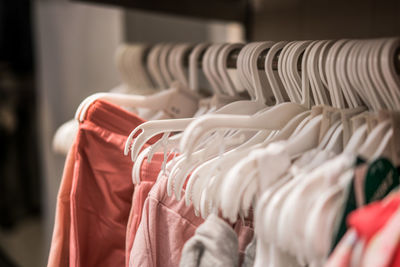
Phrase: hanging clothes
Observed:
(148, 172)
(318, 176)
(97, 191)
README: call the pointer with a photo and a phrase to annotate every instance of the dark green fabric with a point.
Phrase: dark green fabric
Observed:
(381, 178)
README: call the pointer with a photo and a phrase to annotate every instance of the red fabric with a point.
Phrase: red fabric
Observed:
(396, 259)
(102, 188)
(367, 221)
(371, 218)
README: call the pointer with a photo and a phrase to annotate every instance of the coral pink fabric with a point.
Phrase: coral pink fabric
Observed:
(102, 188)
(95, 200)
(165, 227)
(368, 220)
(59, 249)
(378, 223)
(368, 223)
(148, 175)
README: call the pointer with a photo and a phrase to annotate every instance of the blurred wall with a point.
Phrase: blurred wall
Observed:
(75, 47)
(316, 19)
(155, 27)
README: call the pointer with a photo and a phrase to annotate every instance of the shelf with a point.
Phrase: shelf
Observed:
(231, 10)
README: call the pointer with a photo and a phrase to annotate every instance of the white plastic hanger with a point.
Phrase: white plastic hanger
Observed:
(380, 98)
(207, 62)
(380, 136)
(274, 118)
(203, 172)
(135, 80)
(290, 112)
(388, 69)
(354, 77)
(229, 208)
(151, 129)
(334, 143)
(154, 66)
(371, 148)
(221, 65)
(180, 171)
(177, 102)
(193, 65)
(290, 147)
(129, 62)
(372, 49)
(273, 77)
(164, 126)
(352, 99)
(342, 73)
(163, 61)
(247, 165)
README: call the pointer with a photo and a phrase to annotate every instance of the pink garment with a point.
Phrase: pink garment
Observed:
(59, 248)
(165, 227)
(378, 223)
(245, 232)
(341, 256)
(102, 188)
(377, 226)
(368, 220)
(148, 173)
(383, 246)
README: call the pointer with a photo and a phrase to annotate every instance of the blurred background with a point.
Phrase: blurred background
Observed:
(54, 53)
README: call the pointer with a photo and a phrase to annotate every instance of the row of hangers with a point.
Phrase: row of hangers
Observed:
(322, 95)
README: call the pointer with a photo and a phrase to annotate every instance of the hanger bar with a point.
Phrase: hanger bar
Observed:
(233, 56)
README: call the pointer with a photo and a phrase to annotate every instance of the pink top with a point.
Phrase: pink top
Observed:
(148, 173)
(95, 202)
(165, 227)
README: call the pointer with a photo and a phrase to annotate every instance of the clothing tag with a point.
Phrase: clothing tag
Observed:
(183, 104)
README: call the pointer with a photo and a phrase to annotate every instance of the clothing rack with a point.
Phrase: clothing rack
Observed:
(233, 56)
